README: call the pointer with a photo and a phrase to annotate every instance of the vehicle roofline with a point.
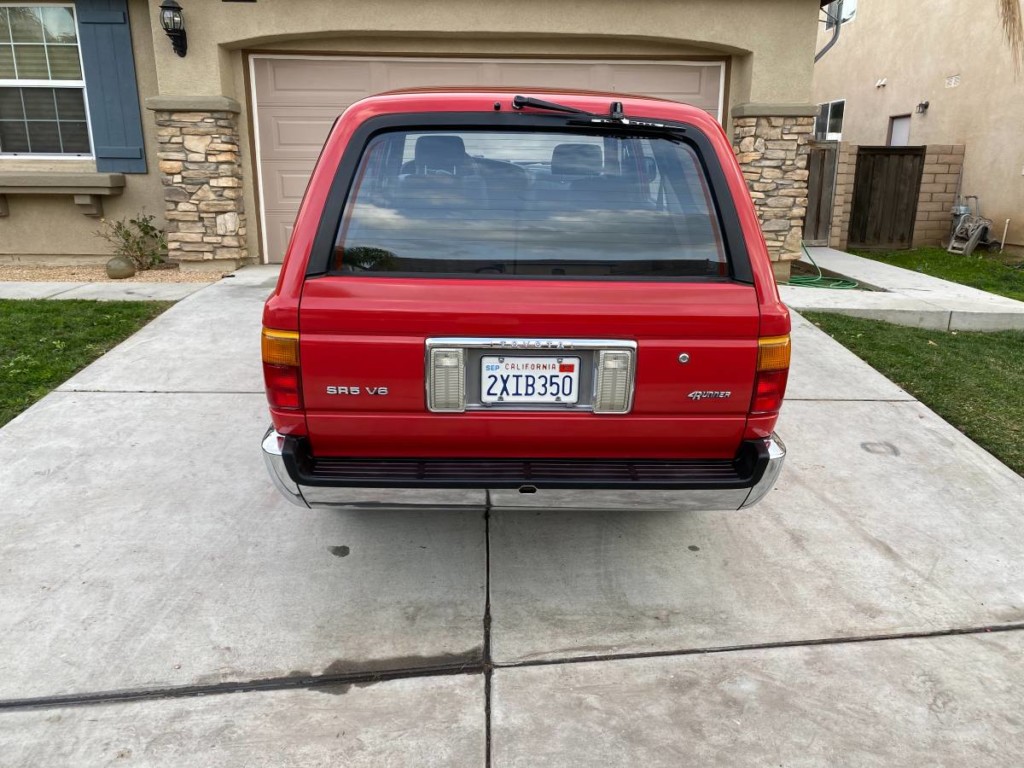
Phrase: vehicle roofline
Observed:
(458, 99)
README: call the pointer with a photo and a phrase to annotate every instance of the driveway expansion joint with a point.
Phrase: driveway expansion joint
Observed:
(488, 664)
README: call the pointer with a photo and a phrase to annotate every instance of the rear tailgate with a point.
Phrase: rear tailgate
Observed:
(363, 352)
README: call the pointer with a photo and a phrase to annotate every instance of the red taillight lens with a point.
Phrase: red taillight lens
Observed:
(769, 389)
(773, 355)
(284, 388)
(281, 369)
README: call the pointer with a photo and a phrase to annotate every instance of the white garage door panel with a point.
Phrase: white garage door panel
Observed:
(296, 100)
(296, 135)
(551, 75)
(304, 82)
(277, 228)
(687, 83)
(283, 186)
(407, 74)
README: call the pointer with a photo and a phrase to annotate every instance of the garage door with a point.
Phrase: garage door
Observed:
(297, 98)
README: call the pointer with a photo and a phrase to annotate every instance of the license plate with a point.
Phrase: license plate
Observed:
(518, 380)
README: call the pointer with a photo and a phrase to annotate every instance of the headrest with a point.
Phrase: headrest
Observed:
(440, 152)
(576, 160)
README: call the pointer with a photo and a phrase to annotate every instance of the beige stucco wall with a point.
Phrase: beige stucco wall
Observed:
(50, 228)
(916, 48)
(778, 33)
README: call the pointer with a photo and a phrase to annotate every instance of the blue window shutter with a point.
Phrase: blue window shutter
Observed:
(106, 41)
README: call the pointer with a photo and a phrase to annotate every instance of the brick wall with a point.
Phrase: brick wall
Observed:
(940, 182)
(842, 200)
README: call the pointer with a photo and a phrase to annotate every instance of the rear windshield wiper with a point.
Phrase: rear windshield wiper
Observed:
(616, 115)
(518, 102)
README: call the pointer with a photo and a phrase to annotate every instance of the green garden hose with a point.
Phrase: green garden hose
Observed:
(820, 281)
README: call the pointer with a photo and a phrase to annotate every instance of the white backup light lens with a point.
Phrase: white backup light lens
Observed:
(614, 388)
(447, 390)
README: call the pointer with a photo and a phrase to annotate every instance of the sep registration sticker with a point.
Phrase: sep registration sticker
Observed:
(529, 380)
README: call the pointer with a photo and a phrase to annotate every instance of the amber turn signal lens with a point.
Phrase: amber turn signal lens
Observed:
(773, 353)
(280, 347)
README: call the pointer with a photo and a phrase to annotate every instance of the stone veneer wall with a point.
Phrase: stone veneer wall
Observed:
(772, 151)
(940, 181)
(202, 176)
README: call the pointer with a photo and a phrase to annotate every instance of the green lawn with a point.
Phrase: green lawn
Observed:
(42, 343)
(1003, 275)
(975, 381)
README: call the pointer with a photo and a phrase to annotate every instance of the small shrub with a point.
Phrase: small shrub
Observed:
(137, 239)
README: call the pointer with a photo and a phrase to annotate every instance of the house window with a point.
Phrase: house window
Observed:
(849, 11)
(42, 91)
(828, 126)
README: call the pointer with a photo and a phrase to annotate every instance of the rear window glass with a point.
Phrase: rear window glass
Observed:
(472, 203)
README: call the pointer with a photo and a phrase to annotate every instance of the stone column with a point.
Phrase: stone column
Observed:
(842, 195)
(940, 181)
(201, 172)
(772, 150)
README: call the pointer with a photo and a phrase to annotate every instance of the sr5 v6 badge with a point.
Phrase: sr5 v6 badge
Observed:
(357, 390)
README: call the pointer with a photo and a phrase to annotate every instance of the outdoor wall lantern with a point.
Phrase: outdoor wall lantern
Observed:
(173, 22)
(921, 108)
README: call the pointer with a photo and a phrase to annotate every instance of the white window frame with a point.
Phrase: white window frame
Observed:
(838, 136)
(849, 13)
(36, 83)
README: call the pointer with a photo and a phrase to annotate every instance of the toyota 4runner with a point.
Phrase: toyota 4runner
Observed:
(554, 299)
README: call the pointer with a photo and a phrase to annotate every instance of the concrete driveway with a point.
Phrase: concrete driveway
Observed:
(160, 605)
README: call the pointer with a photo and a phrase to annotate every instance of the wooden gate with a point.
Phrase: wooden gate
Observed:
(885, 192)
(821, 182)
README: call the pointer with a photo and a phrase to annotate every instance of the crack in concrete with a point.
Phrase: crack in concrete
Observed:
(346, 680)
(470, 666)
(722, 649)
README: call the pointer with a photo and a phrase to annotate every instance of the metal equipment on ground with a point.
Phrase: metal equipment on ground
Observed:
(969, 227)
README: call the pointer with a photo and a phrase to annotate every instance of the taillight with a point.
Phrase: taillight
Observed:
(281, 369)
(280, 347)
(773, 354)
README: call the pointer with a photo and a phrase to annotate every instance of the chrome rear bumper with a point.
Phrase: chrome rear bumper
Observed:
(693, 491)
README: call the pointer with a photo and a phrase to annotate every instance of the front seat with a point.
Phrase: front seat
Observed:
(439, 153)
(440, 180)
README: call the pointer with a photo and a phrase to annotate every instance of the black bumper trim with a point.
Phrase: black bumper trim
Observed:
(744, 471)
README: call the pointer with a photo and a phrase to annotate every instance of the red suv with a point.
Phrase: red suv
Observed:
(561, 299)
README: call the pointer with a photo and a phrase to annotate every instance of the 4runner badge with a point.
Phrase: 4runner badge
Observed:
(708, 394)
